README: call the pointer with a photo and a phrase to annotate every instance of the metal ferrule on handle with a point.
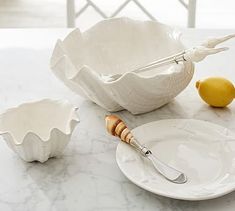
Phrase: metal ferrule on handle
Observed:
(142, 149)
(117, 127)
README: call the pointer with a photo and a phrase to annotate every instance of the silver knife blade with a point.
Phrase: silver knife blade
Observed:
(165, 170)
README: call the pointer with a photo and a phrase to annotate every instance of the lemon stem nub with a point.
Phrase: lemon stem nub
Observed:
(197, 84)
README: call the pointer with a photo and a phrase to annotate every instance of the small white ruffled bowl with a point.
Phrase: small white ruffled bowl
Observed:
(38, 130)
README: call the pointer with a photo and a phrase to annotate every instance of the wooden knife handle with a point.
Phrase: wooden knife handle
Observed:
(116, 127)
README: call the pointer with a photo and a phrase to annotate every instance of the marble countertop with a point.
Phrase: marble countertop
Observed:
(87, 177)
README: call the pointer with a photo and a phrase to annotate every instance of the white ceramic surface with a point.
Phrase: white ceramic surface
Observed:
(38, 130)
(205, 152)
(117, 46)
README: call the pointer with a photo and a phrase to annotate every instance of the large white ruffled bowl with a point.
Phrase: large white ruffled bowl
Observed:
(118, 46)
(38, 130)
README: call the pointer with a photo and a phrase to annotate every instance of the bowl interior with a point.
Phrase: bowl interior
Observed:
(121, 45)
(38, 117)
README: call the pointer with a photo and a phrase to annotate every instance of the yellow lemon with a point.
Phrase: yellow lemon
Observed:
(216, 91)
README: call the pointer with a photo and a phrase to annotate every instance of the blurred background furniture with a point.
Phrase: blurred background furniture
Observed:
(72, 14)
(209, 14)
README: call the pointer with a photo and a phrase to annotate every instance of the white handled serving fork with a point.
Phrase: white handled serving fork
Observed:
(195, 54)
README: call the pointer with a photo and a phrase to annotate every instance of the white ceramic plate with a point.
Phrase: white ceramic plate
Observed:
(205, 152)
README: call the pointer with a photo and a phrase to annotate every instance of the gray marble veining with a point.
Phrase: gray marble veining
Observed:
(86, 176)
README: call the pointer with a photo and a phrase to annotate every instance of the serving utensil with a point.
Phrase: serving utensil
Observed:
(116, 127)
(195, 54)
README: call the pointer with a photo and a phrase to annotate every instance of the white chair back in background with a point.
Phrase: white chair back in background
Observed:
(72, 14)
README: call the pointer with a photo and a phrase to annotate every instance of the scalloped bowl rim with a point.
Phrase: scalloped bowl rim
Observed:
(176, 31)
(71, 121)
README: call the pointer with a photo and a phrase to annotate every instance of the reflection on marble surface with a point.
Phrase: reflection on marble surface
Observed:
(86, 177)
